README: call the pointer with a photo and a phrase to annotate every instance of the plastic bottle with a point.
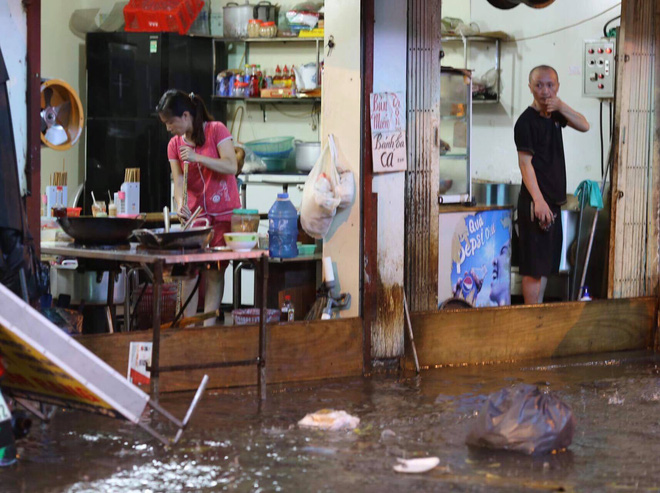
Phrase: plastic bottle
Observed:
(254, 82)
(293, 81)
(59, 209)
(286, 78)
(121, 203)
(287, 310)
(283, 228)
(585, 294)
(277, 79)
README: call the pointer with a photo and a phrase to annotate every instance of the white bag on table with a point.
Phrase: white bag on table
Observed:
(320, 200)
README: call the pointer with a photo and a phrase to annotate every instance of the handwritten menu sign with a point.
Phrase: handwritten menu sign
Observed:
(388, 133)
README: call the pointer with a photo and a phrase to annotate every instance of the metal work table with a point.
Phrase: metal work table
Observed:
(154, 262)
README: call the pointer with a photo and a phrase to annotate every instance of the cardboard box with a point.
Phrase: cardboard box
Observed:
(277, 92)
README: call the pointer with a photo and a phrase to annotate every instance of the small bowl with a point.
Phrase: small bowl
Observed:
(241, 242)
(306, 250)
(73, 211)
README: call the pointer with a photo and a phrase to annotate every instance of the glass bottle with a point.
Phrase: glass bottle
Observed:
(287, 312)
(254, 82)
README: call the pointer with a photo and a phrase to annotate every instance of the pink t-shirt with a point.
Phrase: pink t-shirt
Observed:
(216, 193)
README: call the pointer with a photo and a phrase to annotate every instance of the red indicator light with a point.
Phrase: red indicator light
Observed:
(608, 50)
(601, 76)
(601, 86)
(591, 51)
(600, 50)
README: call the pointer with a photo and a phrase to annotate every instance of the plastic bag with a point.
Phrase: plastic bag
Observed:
(320, 200)
(523, 419)
(346, 186)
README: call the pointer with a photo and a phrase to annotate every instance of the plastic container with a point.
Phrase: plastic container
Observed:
(283, 228)
(267, 30)
(253, 28)
(245, 221)
(161, 16)
(246, 316)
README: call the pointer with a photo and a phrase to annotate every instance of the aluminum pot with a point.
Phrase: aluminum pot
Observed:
(235, 19)
(265, 11)
(307, 153)
(194, 238)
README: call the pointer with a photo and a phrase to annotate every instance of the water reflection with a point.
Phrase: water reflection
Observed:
(231, 446)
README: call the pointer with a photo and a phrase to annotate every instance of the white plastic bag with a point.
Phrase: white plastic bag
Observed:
(346, 186)
(320, 200)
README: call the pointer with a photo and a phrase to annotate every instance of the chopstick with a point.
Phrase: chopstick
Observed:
(132, 175)
(192, 218)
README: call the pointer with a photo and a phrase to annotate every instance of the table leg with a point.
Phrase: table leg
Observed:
(261, 368)
(111, 301)
(155, 349)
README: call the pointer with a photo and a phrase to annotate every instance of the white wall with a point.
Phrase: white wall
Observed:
(13, 24)
(493, 150)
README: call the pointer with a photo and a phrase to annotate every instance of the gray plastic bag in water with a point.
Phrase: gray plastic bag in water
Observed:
(523, 419)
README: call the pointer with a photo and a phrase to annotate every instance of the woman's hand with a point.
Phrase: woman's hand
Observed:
(187, 154)
(183, 213)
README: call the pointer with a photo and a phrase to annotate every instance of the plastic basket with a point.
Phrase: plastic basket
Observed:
(161, 15)
(252, 316)
(273, 147)
(145, 308)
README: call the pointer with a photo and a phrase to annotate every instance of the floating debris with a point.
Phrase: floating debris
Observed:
(416, 466)
(329, 419)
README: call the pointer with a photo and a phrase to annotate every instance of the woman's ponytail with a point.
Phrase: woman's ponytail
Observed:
(175, 103)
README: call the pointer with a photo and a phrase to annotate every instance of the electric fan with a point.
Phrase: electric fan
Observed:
(62, 117)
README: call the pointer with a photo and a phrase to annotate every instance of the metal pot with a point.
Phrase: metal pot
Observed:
(235, 19)
(87, 286)
(194, 238)
(265, 11)
(307, 153)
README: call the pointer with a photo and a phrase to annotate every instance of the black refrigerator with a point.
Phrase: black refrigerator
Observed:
(126, 75)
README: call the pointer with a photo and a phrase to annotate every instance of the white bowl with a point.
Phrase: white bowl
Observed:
(241, 242)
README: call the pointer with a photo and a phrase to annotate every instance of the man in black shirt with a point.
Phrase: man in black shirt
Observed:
(541, 159)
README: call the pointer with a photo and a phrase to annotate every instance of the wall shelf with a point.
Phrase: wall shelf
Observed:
(468, 42)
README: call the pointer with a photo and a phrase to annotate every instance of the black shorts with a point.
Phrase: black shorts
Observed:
(540, 251)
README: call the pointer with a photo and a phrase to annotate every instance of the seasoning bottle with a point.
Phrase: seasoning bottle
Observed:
(254, 83)
(121, 203)
(293, 80)
(287, 310)
(277, 79)
(59, 209)
(286, 78)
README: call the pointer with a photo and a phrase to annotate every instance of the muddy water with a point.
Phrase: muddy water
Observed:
(232, 446)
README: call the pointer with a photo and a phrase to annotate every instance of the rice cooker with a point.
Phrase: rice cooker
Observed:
(307, 153)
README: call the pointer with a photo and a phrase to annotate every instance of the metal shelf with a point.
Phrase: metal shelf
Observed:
(269, 100)
(293, 39)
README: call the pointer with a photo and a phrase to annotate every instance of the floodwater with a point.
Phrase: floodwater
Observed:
(230, 445)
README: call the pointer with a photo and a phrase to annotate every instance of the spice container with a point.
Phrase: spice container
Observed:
(253, 28)
(245, 221)
(268, 30)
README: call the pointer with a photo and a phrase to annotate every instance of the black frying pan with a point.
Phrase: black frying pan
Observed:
(90, 230)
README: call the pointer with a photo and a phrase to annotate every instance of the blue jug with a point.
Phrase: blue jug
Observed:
(283, 228)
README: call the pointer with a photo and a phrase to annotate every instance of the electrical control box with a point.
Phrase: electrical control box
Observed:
(598, 69)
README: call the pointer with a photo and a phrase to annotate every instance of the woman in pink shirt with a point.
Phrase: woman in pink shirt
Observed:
(208, 148)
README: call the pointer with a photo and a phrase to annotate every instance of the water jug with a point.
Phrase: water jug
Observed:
(283, 228)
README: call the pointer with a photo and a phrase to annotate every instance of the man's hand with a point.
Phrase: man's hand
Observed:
(187, 154)
(554, 104)
(543, 214)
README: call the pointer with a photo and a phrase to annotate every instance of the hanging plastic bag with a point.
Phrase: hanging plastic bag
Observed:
(320, 200)
(346, 186)
(523, 419)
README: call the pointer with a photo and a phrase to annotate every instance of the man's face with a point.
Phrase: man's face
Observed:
(544, 85)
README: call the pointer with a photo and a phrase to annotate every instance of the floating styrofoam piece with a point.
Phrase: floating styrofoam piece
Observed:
(329, 419)
(415, 466)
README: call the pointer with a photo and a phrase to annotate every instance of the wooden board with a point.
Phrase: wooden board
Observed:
(490, 335)
(296, 351)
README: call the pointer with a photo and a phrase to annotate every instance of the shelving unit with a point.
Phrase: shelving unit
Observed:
(318, 42)
(494, 39)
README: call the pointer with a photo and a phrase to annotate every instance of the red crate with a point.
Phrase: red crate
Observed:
(145, 308)
(161, 15)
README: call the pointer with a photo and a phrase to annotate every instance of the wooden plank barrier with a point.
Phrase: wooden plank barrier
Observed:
(296, 351)
(491, 335)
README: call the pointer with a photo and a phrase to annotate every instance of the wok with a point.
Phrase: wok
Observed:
(90, 230)
(194, 238)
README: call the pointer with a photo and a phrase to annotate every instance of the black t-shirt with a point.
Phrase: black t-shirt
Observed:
(542, 138)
